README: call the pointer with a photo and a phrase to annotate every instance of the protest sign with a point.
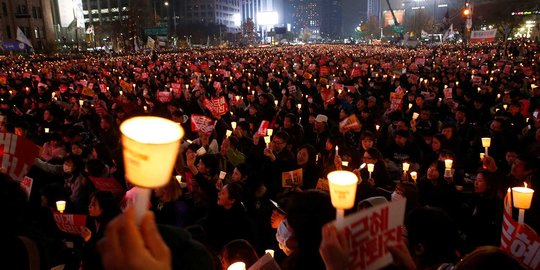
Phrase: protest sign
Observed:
(26, 184)
(324, 71)
(396, 101)
(18, 154)
(370, 232)
(266, 262)
(70, 223)
(520, 241)
(218, 106)
(262, 128)
(322, 184)
(350, 123)
(292, 178)
(447, 93)
(164, 96)
(107, 184)
(202, 123)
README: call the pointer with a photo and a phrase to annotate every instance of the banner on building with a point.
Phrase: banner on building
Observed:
(484, 35)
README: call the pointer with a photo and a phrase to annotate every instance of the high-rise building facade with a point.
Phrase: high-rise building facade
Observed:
(374, 9)
(331, 14)
(224, 12)
(33, 17)
(306, 18)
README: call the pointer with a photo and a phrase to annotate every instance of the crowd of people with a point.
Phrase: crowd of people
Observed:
(330, 107)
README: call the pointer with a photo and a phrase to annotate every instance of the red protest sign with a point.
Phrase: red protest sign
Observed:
(262, 128)
(18, 154)
(356, 72)
(107, 184)
(202, 123)
(218, 106)
(396, 101)
(370, 232)
(26, 184)
(164, 96)
(70, 223)
(520, 241)
(324, 71)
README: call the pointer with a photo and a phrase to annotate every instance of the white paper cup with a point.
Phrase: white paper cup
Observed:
(342, 188)
(201, 151)
(61, 206)
(222, 175)
(150, 146)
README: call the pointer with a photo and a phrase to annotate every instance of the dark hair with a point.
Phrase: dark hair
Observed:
(375, 153)
(95, 167)
(488, 257)
(530, 162)
(13, 204)
(435, 231)
(211, 163)
(238, 250)
(243, 169)
(291, 117)
(368, 135)
(235, 192)
(312, 153)
(492, 183)
(284, 136)
(442, 139)
(108, 204)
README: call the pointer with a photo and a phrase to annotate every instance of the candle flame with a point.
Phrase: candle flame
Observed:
(525, 183)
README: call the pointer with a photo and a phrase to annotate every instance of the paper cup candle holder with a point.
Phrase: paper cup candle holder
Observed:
(342, 191)
(150, 147)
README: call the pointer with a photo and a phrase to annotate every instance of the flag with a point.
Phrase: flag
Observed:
(424, 34)
(150, 43)
(449, 33)
(22, 38)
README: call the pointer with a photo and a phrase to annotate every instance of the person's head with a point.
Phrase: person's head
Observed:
(488, 257)
(279, 141)
(103, 206)
(238, 251)
(448, 130)
(229, 195)
(485, 183)
(401, 137)
(320, 124)
(432, 236)
(77, 149)
(289, 121)
(170, 192)
(96, 168)
(372, 155)
(438, 142)
(73, 164)
(523, 166)
(510, 156)
(433, 173)
(106, 122)
(306, 155)
(240, 173)
(307, 212)
(207, 165)
(367, 140)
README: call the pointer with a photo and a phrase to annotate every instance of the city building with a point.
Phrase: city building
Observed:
(32, 17)
(331, 18)
(224, 12)
(306, 18)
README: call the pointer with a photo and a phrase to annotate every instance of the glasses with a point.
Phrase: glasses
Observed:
(278, 142)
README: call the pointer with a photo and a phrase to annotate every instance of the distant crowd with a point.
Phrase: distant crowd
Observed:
(323, 108)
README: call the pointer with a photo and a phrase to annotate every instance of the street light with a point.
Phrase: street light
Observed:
(166, 3)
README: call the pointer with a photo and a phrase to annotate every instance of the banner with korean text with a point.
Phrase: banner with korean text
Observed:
(371, 231)
(18, 155)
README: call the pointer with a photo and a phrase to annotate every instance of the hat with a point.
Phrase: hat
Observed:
(321, 118)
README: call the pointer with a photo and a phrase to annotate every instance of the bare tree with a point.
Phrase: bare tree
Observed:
(419, 21)
(371, 27)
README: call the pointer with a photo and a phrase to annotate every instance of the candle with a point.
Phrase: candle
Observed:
(337, 150)
(448, 163)
(414, 176)
(522, 197)
(121, 92)
(150, 147)
(178, 178)
(233, 125)
(486, 143)
(345, 163)
(505, 106)
(46, 130)
(276, 102)
(61, 206)
(267, 140)
(269, 251)
(482, 156)
(370, 169)
(222, 175)
(415, 115)
(342, 192)
(228, 133)
(269, 132)
(299, 106)
(81, 102)
(377, 127)
(237, 266)
(145, 108)
(406, 166)
(410, 106)
(201, 151)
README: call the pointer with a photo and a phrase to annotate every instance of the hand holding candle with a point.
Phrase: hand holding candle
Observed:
(150, 146)
(406, 166)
